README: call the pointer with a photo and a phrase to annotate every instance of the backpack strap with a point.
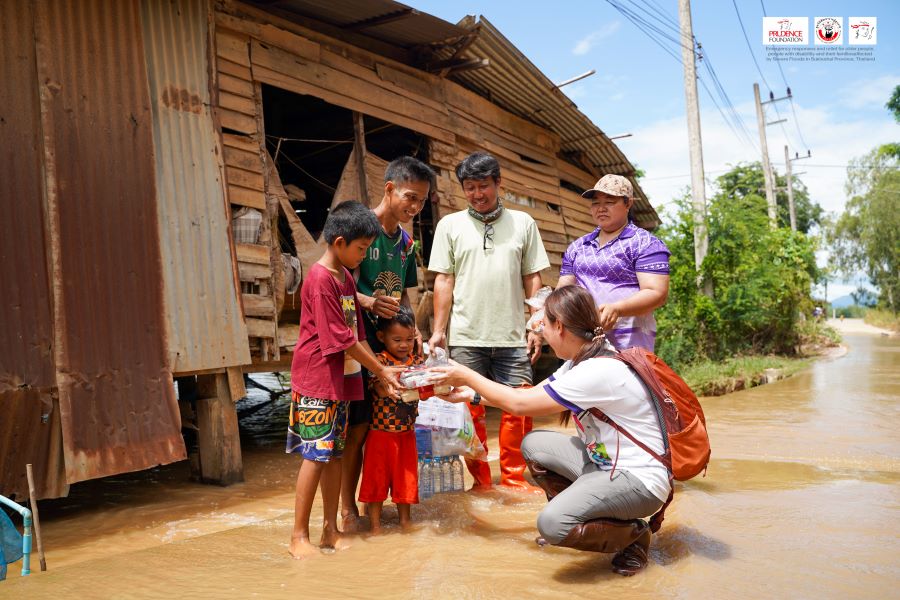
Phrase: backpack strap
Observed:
(665, 459)
(660, 515)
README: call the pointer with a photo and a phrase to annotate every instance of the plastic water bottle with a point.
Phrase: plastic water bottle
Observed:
(436, 474)
(446, 475)
(426, 478)
(456, 475)
(423, 441)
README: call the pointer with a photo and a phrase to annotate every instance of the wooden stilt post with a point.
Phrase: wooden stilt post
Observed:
(219, 440)
(32, 501)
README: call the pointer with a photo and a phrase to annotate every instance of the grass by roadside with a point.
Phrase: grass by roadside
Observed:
(883, 318)
(716, 378)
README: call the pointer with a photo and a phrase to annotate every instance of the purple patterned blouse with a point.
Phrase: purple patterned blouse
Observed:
(609, 273)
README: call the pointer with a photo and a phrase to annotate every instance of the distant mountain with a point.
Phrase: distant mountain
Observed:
(842, 302)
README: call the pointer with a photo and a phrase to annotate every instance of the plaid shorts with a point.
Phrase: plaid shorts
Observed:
(317, 428)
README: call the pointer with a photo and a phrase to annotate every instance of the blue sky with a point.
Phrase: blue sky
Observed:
(638, 87)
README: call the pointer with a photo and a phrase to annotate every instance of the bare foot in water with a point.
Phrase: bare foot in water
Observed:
(332, 540)
(301, 548)
(350, 523)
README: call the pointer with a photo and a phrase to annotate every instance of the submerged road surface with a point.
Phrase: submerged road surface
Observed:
(801, 500)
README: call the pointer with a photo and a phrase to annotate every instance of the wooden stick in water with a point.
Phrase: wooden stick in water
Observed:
(34, 514)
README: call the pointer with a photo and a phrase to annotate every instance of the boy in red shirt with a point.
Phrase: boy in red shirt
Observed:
(325, 372)
(390, 459)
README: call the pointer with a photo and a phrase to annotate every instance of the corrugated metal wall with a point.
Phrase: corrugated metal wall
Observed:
(196, 254)
(116, 394)
(26, 335)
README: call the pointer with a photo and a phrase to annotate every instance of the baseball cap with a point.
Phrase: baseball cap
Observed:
(614, 185)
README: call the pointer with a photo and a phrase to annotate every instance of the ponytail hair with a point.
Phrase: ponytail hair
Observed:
(574, 307)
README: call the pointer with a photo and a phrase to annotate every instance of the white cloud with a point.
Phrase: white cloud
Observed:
(868, 93)
(661, 149)
(585, 44)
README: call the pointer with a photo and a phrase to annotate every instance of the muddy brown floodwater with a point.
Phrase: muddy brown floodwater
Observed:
(801, 500)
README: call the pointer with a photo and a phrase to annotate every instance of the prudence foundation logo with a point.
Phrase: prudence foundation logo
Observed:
(829, 30)
(861, 31)
(785, 31)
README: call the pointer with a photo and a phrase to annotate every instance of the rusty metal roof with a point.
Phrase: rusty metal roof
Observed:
(116, 394)
(511, 81)
(387, 21)
(515, 83)
(193, 228)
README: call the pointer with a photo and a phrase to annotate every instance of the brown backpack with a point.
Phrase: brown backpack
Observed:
(680, 419)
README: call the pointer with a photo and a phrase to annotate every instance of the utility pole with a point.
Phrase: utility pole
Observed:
(698, 183)
(767, 169)
(790, 188)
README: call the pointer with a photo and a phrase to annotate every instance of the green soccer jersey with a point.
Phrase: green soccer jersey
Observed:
(388, 269)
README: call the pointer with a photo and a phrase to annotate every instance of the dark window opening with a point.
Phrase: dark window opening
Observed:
(570, 186)
(311, 140)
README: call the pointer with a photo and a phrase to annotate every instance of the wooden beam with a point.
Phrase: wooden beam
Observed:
(219, 440)
(236, 383)
(253, 253)
(256, 305)
(445, 67)
(359, 147)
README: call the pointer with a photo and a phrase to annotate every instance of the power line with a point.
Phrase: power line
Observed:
(788, 86)
(749, 47)
(649, 29)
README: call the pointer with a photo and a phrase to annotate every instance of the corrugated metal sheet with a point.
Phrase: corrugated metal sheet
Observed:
(26, 335)
(515, 83)
(116, 395)
(30, 432)
(205, 327)
(511, 81)
(416, 29)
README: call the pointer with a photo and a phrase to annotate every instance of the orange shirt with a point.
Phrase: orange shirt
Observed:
(390, 414)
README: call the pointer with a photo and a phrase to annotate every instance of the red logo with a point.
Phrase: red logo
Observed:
(828, 30)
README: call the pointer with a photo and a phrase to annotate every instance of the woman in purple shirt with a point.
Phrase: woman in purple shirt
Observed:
(624, 267)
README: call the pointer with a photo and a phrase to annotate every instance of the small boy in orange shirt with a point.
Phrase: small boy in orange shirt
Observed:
(390, 459)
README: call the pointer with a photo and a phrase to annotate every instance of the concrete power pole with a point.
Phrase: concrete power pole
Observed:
(698, 183)
(767, 170)
(790, 189)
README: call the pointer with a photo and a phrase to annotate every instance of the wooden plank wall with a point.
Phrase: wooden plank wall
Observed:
(239, 112)
(256, 47)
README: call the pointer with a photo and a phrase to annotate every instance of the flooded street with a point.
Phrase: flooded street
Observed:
(801, 500)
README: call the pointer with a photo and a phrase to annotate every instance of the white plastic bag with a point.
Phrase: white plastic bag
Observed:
(452, 428)
(536, 322)
(417, 380)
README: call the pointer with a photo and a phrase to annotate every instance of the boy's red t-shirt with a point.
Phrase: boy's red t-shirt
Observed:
(329, 324)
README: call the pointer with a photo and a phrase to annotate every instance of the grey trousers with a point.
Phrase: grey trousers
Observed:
(592, 494)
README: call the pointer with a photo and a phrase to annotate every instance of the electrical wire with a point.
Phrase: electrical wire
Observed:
(787, 86)
(659, 37)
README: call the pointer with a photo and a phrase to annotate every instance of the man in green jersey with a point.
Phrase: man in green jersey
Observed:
(382, 281)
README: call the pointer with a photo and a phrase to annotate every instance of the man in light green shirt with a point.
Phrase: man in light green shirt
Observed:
(488, 260)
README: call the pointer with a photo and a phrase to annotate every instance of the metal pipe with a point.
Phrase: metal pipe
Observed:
(576, 78)
(26, 532)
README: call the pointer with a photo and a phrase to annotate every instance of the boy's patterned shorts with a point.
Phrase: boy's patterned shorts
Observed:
(317, 428)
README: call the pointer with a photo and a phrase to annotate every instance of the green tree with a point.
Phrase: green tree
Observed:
(761, 277)
(865, 236)
(893, 104)
(747, 179)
